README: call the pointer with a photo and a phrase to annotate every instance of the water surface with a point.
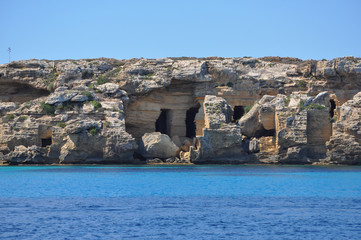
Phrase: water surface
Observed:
(180, 202)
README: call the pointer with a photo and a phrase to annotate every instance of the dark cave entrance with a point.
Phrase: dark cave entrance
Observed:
(162, 123)
(46, 142)
(332, 108)
(190, 124)
(238, 112)
(12, 91)
(265, 133)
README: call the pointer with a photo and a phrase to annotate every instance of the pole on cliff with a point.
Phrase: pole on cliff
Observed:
(9, 50)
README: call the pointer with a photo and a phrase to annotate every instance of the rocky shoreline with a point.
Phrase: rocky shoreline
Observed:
(213, 110)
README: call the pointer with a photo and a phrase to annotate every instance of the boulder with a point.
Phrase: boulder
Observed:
(254, 146)
(157, 145)
(250, 123)
(60, 97)
(26, 155)
(294, 155)
(7, 106)
(267, 116)
(221, 145)
(323, 98)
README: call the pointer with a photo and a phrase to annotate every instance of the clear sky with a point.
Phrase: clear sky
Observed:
(74, 29)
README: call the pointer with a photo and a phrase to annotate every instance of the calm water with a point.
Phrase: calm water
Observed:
(188, 202)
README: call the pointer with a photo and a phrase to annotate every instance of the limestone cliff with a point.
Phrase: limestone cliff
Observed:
(99, 110)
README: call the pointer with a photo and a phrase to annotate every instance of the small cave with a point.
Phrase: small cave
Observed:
(46, 142)
(19, 92)
(238, 112)
(45, 136)
(162, 123)
(190, 123)
(265, 133)
(332, 108)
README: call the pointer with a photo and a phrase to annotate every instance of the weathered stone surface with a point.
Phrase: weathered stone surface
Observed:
(222, 145)
(195, 97)
(60, 97)
(294, 134)
(217, 112)
(254, 146)
(322, 98)
(26, 155)
(80, 126)
(250, 123)
(7, 106)
(267, 116)
(344, 146)
(157, 145)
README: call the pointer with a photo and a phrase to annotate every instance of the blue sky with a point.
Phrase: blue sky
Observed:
(65, 29)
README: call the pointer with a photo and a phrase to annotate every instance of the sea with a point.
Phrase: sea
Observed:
(180, 202)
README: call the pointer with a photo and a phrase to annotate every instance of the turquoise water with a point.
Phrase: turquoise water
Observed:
(180, 202)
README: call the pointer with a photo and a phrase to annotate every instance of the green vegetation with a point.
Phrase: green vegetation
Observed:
(302, 84)
(50, 79)
(301, 104)
(88, 95)
(311, 106)
(47, 108)
(149, 76)
(67, 106)
(91, 86)
(106, 77)
(61, 124)
(96, 104)
(286, 100)
(23, 118)
(101, 80)
(10, 117)
(248, 108)
(316, 106)
(93, 131)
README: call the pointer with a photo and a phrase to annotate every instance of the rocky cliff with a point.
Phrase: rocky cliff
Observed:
(181, 110)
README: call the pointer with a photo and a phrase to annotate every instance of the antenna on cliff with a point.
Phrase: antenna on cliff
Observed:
(9, 50)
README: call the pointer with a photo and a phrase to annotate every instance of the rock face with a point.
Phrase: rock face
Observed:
(345, 143)
(159, 145)
(217, 110)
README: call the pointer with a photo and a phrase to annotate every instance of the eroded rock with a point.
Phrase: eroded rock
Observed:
(157, 145)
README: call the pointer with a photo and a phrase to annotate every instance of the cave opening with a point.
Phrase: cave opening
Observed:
(190, 123)
(262, 132)
(19, 92)
(46, 142)
(332, 108)
(162, 123)
(238, 112)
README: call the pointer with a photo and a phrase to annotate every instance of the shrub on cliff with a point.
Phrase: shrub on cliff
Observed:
(10, 117)
(96, 104)
(61, 124)
(248, 108)
(88, 95)
(316, 106)
(93, 131)
(23, 118)
(47, 108)
(101, 80)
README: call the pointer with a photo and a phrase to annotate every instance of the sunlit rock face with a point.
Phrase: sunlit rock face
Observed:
(214, 110)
